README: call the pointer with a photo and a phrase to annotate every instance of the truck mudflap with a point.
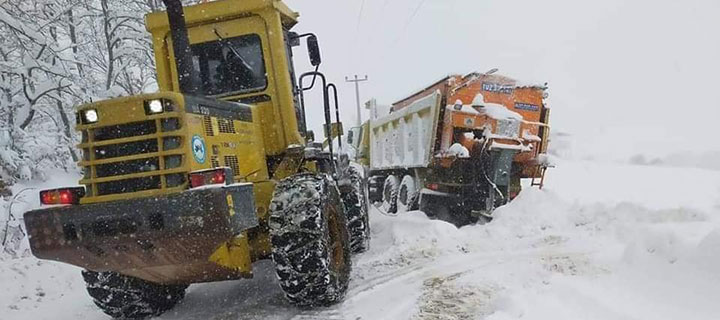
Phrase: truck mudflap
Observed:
(459, 208)
(166, 239)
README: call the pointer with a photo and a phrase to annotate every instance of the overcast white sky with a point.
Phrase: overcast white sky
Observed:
(626, 77)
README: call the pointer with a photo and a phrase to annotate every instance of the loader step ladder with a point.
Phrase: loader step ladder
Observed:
(539, 182)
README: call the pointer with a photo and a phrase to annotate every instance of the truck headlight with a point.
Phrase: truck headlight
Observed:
(154, 106)
(90, 116)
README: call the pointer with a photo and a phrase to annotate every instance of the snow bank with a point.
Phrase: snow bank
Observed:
(555, 254)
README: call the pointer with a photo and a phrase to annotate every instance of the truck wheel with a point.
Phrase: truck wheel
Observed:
(407, 196)
(126, 297)
(310, 241)
(356, 211)
(390, 193)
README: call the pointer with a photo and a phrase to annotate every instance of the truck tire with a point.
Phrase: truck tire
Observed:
(310, 241)
(407, 195)
(391, 189)
(125, 297)
(356, 212)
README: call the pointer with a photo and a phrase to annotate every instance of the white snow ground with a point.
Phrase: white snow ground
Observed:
(601, 241)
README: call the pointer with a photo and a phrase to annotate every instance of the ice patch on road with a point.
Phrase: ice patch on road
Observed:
(451, 298)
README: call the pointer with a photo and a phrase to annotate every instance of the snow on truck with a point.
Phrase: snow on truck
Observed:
(214, 172)
(457, 149)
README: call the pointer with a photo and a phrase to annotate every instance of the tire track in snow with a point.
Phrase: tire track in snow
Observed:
(410, 280)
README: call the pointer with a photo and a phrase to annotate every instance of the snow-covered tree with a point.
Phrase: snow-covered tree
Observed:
(54, 55)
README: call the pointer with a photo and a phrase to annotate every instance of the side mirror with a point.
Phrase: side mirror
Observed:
(354, 137)
(314, 51)
(350, 135)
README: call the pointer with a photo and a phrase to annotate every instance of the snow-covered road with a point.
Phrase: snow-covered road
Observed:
(602, 241)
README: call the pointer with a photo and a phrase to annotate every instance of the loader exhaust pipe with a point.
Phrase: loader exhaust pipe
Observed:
(181, 47)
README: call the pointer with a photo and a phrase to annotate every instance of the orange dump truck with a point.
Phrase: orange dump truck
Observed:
(457, 149)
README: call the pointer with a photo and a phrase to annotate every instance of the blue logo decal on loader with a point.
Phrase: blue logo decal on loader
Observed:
(198, 149)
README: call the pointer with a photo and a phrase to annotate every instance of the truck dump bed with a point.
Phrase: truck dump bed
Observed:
(406, 138)
(438, 124)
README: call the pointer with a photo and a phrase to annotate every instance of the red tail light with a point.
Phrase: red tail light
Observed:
(62, 196)
(210, 177)
(218, 177)
(433, 186)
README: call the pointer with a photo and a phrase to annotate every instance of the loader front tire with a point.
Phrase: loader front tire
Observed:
(356, 211)
(120, 296)
(310, 241)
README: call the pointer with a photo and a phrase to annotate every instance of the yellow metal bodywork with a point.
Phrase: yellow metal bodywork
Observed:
(234, 254)
(243, 144)
(273, 129)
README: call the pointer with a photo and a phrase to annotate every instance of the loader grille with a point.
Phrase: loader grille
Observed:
(233, 163)
(134, 157)
(208, 126)
(226, 126)
(126, 149)
(128, 185)
(125, 130)
(127, 167)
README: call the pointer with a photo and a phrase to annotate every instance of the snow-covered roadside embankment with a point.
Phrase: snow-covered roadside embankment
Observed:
(602, 241)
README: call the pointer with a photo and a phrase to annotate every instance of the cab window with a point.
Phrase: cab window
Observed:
(230, 66)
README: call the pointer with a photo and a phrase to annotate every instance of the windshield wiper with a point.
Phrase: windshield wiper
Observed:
(226, 43)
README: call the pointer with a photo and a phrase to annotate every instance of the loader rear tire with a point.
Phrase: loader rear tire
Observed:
(356, 211)
(391, 189)
(310, 241)
(125, 297)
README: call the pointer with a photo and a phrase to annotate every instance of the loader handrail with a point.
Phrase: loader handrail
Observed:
(337, 115)
(326, 100)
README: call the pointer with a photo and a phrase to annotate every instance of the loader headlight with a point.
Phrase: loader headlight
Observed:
(154, 107)
(90, 116)
(157, 106)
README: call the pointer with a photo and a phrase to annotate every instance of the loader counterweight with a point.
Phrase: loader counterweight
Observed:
(163, 239)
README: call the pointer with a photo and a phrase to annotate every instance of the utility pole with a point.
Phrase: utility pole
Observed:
(357, 95)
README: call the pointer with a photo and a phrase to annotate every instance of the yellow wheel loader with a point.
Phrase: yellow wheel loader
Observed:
(215, 171)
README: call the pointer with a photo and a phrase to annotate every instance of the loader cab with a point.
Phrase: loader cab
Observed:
(241, 51)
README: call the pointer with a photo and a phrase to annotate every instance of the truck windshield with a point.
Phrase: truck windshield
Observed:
(230, 66)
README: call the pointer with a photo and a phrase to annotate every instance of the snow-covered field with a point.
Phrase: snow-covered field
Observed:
(601, 241)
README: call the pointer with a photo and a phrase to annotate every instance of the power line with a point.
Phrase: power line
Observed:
(359, 19)
(407, 24)
(417, 9)
(357, 29)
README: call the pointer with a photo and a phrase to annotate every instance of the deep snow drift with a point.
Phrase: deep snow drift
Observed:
(601, 241)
